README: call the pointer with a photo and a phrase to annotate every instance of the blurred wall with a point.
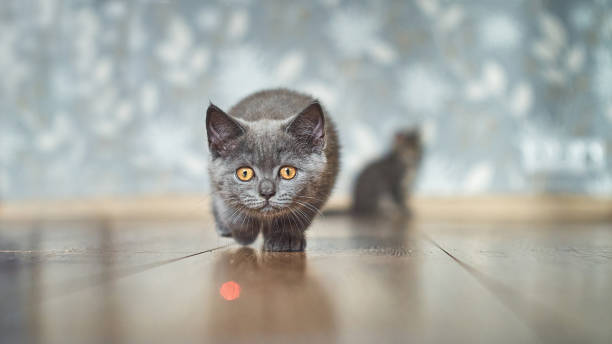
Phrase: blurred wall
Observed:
(108, 97)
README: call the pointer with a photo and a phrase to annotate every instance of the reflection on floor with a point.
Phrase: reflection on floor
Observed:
(383, 281)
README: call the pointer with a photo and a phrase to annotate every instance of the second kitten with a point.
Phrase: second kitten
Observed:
(390, 177)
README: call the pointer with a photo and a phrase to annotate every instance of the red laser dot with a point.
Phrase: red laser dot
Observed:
(230, 290)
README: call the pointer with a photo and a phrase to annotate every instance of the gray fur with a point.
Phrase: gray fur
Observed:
(265, 131)
(390, 177)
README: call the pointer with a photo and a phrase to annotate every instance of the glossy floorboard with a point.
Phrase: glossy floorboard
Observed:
(382, 281)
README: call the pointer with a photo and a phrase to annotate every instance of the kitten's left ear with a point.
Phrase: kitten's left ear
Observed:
(309, 125)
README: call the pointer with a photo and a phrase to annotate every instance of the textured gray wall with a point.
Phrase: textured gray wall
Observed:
(108, 97)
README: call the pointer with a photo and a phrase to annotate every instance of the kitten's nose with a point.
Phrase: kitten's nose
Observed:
(266, 188)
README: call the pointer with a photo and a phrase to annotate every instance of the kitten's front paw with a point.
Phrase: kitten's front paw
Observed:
(284, 243)
(245, 236)
(223, 231)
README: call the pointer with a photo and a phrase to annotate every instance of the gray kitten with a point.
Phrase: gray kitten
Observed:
(390, 177)
(274, 161)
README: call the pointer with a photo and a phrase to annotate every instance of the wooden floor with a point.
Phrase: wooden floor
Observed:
(385, 281)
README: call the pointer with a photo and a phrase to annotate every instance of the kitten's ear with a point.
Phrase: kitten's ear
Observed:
(309, 125)
(221, 129)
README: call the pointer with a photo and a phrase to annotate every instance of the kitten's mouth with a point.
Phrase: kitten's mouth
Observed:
(267, 207)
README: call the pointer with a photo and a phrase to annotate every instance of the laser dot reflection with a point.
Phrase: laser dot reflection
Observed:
(230, 290)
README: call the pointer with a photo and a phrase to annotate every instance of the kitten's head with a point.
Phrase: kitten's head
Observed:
(407, 145)
(264, 167)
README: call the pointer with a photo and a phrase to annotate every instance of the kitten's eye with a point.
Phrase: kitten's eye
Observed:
(287, 172)
(245, 173)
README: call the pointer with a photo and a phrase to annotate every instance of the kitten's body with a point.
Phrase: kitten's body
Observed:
(275, 128)
(390, 177)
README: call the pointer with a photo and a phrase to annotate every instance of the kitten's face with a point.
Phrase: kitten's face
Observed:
(265, 166)
(408, 145)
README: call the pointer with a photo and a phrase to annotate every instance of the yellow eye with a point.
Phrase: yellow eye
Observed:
(287, 172)
(245, 173)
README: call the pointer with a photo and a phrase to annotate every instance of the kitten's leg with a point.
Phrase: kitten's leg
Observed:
(231, 223)
(245, 232)
(365, 198)
(285, 234)
(220, 212)
(399, 194)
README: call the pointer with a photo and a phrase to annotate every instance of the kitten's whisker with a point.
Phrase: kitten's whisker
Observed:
(244, 217)
(311, 207)
(307, 218)
(309, 200)
(234, 214)
(290, 218)
(302, 216)
(316, 199)
(298, 216)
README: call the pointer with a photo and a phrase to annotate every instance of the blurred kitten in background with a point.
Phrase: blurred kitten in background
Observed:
(389, 180)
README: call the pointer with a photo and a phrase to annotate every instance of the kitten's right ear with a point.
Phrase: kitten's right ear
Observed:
(221, 130)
